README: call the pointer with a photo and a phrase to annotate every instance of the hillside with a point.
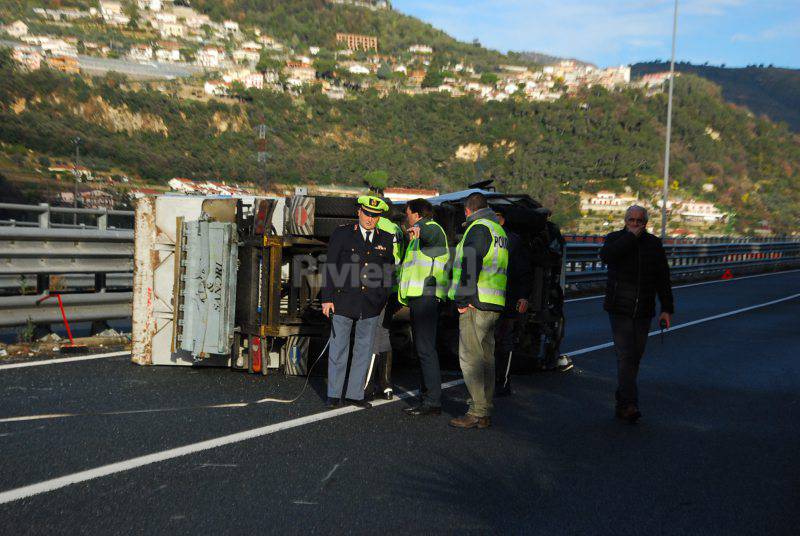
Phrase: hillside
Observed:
(316, 22)
(771, 91)
(553, 150)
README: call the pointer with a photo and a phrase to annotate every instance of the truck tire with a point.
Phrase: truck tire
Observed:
(324, 227)
(335, 207)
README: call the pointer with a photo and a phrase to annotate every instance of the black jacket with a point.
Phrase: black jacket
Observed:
(358, 277)
(637, 272)
(520, 275)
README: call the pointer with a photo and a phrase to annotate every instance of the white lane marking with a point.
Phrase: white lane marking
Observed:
(696, 284)
(63, 360)
(119, 412)
(141, 461)
(690, 323)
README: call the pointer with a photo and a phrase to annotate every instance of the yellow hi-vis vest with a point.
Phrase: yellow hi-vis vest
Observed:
(417, 267)
(387, 225)
(493, 278)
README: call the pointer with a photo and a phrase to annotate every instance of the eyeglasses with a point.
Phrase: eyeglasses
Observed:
(634, 220)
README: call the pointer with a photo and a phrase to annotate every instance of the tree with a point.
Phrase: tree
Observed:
(489, 79)
(384, 71)
(377, 179)
(433, 78)
(268, 63)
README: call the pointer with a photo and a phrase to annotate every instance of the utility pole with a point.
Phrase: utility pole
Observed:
(77, 142)
(665, 195)
(261, 144)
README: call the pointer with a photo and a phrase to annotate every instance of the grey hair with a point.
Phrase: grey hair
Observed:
(637, 208)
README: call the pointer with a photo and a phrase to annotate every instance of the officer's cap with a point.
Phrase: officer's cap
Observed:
(372, 205)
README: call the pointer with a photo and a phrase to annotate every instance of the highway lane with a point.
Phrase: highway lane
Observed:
(83, 442)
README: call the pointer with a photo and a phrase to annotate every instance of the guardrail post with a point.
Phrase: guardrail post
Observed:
(43, 280)
(44, 216)
(102, 220)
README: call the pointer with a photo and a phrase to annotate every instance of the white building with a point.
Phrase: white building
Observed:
(140, 53)
(168, 52)
(211, 57)
(605, 201)
(16, 29)
(28, 57)
(231, 27)
(112, 13)
(700, 211)
(357, 68)
(420, 49)
(246, 56)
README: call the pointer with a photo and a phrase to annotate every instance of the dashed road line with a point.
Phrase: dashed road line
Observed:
(156, 457)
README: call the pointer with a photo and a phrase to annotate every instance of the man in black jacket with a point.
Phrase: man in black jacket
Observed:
(637, 272)
(520, 277)
(357, 277)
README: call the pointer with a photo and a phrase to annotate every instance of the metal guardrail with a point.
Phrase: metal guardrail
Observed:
(583, 264)
(39, 256)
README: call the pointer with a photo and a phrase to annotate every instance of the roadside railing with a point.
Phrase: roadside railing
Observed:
(91, 262)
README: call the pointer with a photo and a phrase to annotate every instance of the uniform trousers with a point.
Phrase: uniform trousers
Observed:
(424, 321)
(339, 350)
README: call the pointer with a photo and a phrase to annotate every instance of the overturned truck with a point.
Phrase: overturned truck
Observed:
(234, 282)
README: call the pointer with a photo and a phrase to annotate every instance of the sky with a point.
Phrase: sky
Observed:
(608, 32)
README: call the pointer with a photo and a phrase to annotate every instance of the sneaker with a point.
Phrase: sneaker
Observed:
(388, 393)
(563, 364)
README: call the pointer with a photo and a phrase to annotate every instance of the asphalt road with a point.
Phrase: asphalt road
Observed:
(714, 453)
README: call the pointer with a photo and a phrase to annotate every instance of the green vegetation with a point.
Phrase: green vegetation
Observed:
(598, 139)
(769, 90)
(316, 23)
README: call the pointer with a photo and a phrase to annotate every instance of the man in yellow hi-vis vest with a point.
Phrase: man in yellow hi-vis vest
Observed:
(423, 286)
(479, 291)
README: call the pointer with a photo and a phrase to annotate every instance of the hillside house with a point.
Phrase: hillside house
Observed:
(211, 57)
(140, 52)
(357, 41)
(16, 29)
(29, 58)
(605, 201)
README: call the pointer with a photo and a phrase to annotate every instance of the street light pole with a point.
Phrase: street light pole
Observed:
(665, 195)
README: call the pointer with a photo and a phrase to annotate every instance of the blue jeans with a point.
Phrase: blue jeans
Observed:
(339, 351)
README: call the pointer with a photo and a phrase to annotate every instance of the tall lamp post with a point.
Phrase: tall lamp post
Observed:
(665, 195)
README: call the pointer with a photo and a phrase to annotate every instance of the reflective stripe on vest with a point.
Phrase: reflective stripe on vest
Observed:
(417, 267)
(492, 278)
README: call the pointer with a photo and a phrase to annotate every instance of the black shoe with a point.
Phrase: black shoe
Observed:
(388, 393)
(359, 403)
(422, 410)
(333, 402)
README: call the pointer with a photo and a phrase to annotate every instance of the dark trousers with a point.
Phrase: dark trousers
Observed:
(630, 338)
(424, 320)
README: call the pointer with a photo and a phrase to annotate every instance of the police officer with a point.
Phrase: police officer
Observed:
(382, 349)
(357, 278)
(479, 290)
(423, 285)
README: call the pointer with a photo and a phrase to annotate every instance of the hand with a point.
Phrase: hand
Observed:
(413, 232)
(522, 305)
(327, 309)
(462, 310)
(665, 317)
